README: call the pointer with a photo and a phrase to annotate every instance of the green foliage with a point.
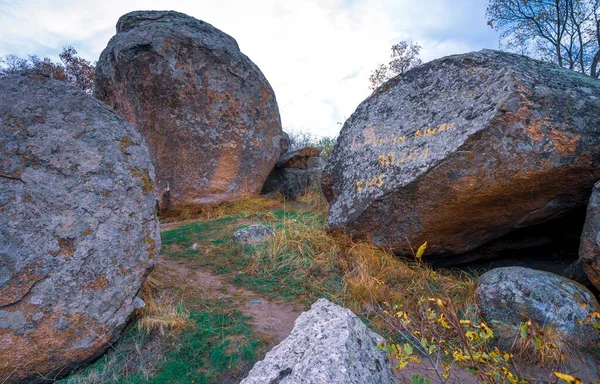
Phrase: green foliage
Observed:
(191, 360)
(418, 379)
(219, 342)
(179, 242)
(294, 265)
(301, 139)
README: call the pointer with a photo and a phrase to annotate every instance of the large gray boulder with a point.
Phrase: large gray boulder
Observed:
(328, 344)
(589, 248)
(464, 150)
(78, 228)
(206, 110)
(510, 296)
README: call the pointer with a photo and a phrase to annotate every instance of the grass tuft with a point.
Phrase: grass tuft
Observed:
(244, 207)
(160, 313)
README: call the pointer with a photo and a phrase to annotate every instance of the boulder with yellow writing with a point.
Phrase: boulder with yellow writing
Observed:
(466, 150)
(207, 112)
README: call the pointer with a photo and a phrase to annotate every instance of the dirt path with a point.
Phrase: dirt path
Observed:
(272, 319)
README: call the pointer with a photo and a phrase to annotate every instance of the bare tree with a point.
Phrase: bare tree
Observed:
(72, 67)
(561, 31)
(594, 32)
(78, 70)
(404, 56)
(527, 21)
(11, 64)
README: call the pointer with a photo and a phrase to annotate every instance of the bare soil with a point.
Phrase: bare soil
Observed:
(272, 319)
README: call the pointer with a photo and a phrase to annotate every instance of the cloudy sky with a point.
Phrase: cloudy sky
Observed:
(317, 54)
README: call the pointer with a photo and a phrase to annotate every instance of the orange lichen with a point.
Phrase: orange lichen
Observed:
(66, 248)
(564, 142)
(264, 95)
(47, 349)
(123, 270)
(147, 182)
(534, 129)
(226, 170)
(100, 284)
(151, 246)
(126, 142)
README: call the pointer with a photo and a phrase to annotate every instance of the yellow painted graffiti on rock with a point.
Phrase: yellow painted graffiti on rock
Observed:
(373, 183)
(394, 159)
(369, 136)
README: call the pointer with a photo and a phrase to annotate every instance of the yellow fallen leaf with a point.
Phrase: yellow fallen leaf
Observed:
(421, 251)
(568, 378)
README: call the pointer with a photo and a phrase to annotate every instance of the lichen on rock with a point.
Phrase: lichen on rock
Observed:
(74, 226)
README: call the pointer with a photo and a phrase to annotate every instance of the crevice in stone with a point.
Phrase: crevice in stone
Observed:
(550, 246)
(11, 177)
(13, 303)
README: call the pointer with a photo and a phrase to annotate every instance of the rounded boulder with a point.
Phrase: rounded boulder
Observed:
(511, 296)
(464, 150)
(208, 114)
(78, 226)
(589, 247)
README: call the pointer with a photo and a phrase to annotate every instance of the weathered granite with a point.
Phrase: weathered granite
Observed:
(510, 296)
(464, 150)
(253, 234)
(295, 172)
(207, 112)
(328, 344)
(589, 247)
(78, 227)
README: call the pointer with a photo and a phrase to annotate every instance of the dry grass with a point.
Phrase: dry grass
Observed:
(534, 344)
(161, 313)
(314, 201)
(372, 278)
(378, 281)
(247, 206)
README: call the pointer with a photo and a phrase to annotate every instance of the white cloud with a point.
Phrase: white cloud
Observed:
(317, 54)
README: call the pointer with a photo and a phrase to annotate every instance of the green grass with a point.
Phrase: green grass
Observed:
(219, 342)
(177, 242)
(289, 273)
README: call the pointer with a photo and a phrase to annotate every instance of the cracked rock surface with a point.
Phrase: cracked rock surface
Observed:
(589, 249)
(78, 227)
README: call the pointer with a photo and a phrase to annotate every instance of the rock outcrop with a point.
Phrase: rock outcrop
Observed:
(78, 227)
(589, 247)
(464, 150)
(207, 112)
(328, 344)
(295, 172)
(510, 296)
